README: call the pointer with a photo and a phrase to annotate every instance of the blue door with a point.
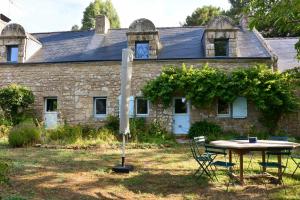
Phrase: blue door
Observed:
(181, 117)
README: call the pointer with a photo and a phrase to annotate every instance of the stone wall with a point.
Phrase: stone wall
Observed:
(76, 84)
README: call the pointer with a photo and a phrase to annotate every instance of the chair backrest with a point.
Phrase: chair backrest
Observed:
(199, 139)
(194, 149)
(279, 138)
(242, 137)
(215, 150)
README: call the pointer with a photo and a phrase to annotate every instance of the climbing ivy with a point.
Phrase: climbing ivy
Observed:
(271, 92)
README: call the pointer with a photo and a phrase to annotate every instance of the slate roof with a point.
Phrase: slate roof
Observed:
(178, 43)
(284, 48)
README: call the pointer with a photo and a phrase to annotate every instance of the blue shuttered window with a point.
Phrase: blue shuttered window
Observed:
(239, 108)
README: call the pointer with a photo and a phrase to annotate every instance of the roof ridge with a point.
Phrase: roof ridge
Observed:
(79, 31)
(279, 38)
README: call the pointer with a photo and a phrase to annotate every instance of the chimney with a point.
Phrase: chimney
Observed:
(3, 21)
(102, 24)
(244, 22)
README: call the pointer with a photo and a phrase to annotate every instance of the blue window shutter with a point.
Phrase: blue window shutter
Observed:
(239, 108)
(131, 106)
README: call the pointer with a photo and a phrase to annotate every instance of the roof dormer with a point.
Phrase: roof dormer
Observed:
(221, 38)
(16, 46)
(143, 39)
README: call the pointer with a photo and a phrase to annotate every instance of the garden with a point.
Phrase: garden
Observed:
(76, 161)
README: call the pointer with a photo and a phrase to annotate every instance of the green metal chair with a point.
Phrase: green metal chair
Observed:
(251, 154)
(274, 152)
(204, 160)
(296, 160)
(218, 163)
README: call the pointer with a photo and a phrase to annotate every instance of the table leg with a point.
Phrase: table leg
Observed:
(279, 169)
(241, 167)
(263, 158)
(230, 159)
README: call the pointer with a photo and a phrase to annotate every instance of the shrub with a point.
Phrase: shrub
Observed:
(14, 101)
(65, 133)
(105, 134)
(137, 128)
(24, 135)
(3, 172)
(112, 123)
(4, 130)
(211, 130)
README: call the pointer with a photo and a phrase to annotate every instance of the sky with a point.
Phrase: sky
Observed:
(61, 15)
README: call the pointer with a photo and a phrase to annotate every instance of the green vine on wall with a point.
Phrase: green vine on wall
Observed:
(271, 92)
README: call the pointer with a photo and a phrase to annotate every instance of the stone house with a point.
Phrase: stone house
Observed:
(75, 75)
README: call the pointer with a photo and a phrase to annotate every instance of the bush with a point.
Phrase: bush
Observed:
(24, 135)
(211, 130)
(65, 133)
(14, 102)
(112, 123)
(4, 130)
(3, 172)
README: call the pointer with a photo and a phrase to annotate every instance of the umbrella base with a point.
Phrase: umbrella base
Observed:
(123, 169)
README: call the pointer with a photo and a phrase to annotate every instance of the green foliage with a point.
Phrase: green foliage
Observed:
(71, 134)
(202, 15)
(283, 16)
(99, 7)
(4, 169)
(210, 130)
(271, 92)
(112, 123)
(75, 28)
(24, 135)
(66, 133)
(14, 100)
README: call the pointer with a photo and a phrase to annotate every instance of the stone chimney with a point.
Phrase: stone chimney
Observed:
(102, 24)
(3, 21)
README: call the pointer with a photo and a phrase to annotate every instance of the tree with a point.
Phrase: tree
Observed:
(237, 9)
(75, 27)
(282, 15)
(202, 15)
(99, 7)
(14, 100)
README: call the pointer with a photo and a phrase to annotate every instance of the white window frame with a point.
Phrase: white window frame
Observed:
(45, 106)
(228, 115)
(136, 104)
(99, 115)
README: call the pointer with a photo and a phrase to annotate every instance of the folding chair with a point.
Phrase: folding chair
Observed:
(224, 164)
(204, 160)
(295, 158)
(286, 152)
(251, 154)
(276, 165)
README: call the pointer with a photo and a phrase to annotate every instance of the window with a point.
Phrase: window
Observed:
(221, 47)
(180, 106)
(100, 106)
(142, 50)
(12, 53)
(142, 106)
(223, 109)
(51, 104)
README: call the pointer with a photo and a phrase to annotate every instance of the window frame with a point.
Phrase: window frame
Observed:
(95, 110)
(142, 42)
(46, 104)
(136, 105)
(227, 46)
(9, 53)
(228, 115)
(187, 106)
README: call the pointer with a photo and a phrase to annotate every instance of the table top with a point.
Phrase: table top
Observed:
(259, 145)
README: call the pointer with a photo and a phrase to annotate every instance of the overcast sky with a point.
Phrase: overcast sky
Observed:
(60, 15)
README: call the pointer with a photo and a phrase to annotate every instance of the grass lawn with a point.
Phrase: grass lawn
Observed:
(39, 173)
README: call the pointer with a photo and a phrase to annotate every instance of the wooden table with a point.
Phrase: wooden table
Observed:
(242, 147)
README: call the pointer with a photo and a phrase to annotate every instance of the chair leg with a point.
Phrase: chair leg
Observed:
(297, 166)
